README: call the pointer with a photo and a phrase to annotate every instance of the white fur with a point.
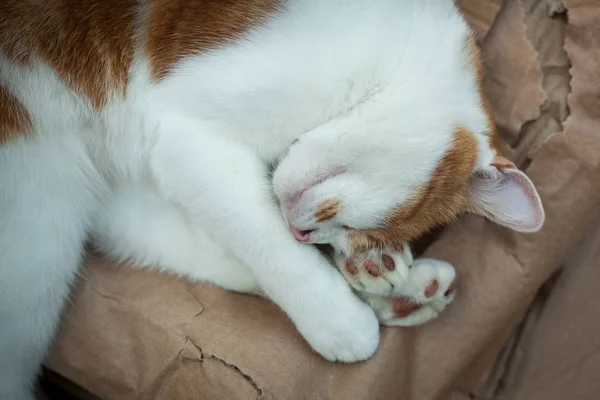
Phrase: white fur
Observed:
(175, 176)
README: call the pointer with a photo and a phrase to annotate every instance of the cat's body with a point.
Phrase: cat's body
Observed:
(150, 128)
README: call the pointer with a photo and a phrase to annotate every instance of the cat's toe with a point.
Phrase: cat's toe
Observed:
(427, 291)
(444, 289)
(431, 281)
(401, 311)
(403, 306)
(374, 277)
(431, 289)
(376, 273)
(424, 313)
(451, 289)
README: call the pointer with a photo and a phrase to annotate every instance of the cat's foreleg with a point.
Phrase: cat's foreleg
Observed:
(138, 225)
(225, 188)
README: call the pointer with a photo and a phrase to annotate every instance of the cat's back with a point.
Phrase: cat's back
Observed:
(312, 61)
(87, 44)
(78, 58)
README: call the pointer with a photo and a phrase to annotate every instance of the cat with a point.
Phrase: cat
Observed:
(148, 128)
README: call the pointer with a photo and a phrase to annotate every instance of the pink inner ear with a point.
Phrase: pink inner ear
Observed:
(508, 198)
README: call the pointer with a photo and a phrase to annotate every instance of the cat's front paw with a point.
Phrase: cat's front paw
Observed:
(379, 272)
(348, 333)
(400, 291)
(429, 289)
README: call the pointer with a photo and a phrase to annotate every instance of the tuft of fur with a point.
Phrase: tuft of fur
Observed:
(14, 117)
(145, 128)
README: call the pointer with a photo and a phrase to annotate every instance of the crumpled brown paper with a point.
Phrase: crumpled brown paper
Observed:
(133, 334)
(513, 78)
(554, 354)
(565, 166)
(559, 354)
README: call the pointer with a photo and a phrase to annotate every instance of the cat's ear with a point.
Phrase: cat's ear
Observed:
(505, 195)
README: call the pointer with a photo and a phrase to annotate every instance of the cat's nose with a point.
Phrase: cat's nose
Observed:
(301, 236)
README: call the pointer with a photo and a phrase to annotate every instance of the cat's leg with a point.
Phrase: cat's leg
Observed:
(46, 201)
(139, 225)
(402, 292)
(224, 187)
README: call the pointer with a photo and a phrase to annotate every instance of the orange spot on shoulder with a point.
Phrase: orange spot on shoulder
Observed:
(179, 28)
(89, 44)
(14, 117)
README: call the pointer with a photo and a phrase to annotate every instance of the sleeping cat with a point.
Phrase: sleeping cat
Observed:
(149, 127)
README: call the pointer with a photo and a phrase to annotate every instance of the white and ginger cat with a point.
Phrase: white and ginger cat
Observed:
(150, 127)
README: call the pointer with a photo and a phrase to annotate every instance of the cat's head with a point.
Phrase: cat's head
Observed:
(414, 155)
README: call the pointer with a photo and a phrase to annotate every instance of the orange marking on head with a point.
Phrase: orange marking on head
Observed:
(439, 202)
(327, 210)
(444, 198)
(179, 28)
(89, 44)
(14, 117)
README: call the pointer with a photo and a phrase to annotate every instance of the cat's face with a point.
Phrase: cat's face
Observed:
(356, 196)
(394, 168)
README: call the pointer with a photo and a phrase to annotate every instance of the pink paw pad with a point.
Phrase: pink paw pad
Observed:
(431, 288)
(371, 268)
(403, 306)
(351, 267)
(388, 262)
